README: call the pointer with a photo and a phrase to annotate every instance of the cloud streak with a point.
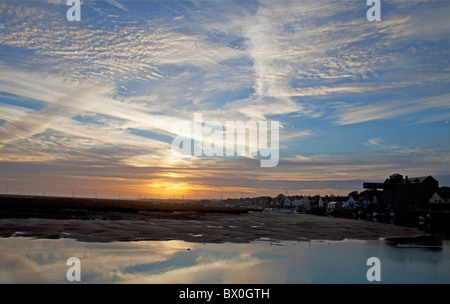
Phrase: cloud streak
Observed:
(351, 113)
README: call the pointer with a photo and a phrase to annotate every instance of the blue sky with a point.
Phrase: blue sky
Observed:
(87, 107)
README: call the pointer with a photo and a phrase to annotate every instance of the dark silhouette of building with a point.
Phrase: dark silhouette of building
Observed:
(406, 193)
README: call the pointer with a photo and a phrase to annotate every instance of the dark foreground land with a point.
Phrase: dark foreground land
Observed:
(95, 220)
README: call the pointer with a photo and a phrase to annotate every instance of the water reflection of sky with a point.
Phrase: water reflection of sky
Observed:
(24, 260)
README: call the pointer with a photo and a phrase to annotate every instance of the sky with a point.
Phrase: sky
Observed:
(87, 107)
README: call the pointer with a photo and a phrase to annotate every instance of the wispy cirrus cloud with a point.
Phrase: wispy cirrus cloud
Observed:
(357, 113)
(311, 49)
(117, 4)
(61, 103)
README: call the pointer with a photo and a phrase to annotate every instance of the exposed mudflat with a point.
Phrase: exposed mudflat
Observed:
(203, 227)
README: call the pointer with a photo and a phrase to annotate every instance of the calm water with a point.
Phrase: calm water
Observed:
(25, 260)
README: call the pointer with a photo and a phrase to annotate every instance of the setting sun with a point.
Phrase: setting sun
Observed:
(168, 188)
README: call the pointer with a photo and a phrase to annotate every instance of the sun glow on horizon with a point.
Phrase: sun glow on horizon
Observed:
(167, 188)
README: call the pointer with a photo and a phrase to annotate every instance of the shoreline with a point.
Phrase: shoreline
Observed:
(207, 228)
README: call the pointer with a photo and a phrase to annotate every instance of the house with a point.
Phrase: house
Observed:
(350, 203)
(372, 196)
(321, 202)
(302, 203)
(404, 192)
(439, 197)
(365, 202)
(333, 205)
(407, 193)
(287, 202)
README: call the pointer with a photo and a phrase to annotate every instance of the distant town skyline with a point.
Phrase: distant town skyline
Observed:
(87, 107)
